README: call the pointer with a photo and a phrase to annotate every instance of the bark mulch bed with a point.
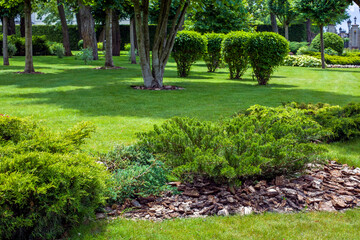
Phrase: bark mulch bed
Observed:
(29, 73)
(168, 87)
(332, 187)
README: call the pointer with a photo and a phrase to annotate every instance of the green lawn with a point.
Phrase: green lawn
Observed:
(70, 92)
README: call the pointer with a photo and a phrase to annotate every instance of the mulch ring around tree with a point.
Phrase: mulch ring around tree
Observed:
(108, 68)
(29, 73)
(167, 87)
(333, 187)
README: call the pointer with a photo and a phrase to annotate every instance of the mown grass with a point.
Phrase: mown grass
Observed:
(69, 92)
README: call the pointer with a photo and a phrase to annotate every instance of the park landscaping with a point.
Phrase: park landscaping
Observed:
(69, 92)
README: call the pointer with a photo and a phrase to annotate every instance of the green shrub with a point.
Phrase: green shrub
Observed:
(264, 142)
(135, 172)
(40, 46)
(100, 46)
(338, 60)
(234, 50)
(11, 50)
(331, 40)
(45, 185)
(81, 44)
(295, 46)
(266, 51)
(302, 61)
(189, 47)
(212, 57)
(305, 50)
(57, 49)
(330, 51)
(86, 55)
(17, 45)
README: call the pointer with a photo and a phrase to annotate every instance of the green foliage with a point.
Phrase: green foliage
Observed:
(40, 45)
(234, 51)
(305, 50)
(100, 46)
(80, 44)
(266, 51)
(330, 51)
(212, 57)
(189, 47)
(302, 61)
(135, 172)
(337, 60)
(11, 49)
(297, 32)
(295, 46)
(57, 49)
(284, 10)
(45, 185)
(331, 40)
(262, 142)
(85, 54)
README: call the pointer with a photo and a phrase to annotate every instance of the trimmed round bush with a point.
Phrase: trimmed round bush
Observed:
(266, 51)
(189, 47)
(57, 49)
(212, 57)
(331, 40)
(234, 50)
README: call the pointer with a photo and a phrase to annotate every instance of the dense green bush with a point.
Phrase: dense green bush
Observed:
(331, 40)
(302, 61)
(135, 173)
(266, 51)
(189, 47)
(80, 44)
(297, 32)
(262, 142)
(212, 57)
(57, 49)
(86, 55)
(11, 49)
(337, 60)
(234, 50)
(295, 46)
(330, 51)
(45, 185)
(40, 45)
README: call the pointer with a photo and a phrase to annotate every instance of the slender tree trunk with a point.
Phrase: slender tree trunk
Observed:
(64, 28)
(274, 25)
(22, 26)
(132, 40)
(308, 31)
(109, 21)
(102, 35)
(322, 46)
(286, 31)
(78, 22)
(116, 37)
(29, 65)
(5, 42)
(88, 29)
(11, 26)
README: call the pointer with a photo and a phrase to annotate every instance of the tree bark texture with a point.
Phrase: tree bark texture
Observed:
(78, 22)
(5, 41)
(116, 37)
(29, 65)
(64, 29)
(308, 31)
(286, 31)
(163, 41)
(322, 46)
(108, 29)
(274, 23)
(88, 29)
(11, 26)
(132, 40)
(22, 26)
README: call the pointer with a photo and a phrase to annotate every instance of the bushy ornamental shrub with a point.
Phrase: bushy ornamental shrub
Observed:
(11, 50)
(45, 185)
(263, 142)
(189, 47)
(338, 60)
(57, 49)
(40, 45)
(135, 173)
(234, 50)
(81, 44)
(305, 50)
(302, 61)
(295, 46)
(100, 46)
(330, 51)
(266, 51)
(86, 55)
(212, 57)
(331, 40)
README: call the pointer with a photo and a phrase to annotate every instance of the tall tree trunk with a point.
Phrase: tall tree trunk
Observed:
(109, 21)
(274, 25)
(132, 40)
(322, 46)
(78, 22)
(102, 35)
(11, 26)
(286, 31)
(5, 42)
(64, 28)
(88, 29)
(116, 37)
(29, 65)
(308, 31)
(22, 26)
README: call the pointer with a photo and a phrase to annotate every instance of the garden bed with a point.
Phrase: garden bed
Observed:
(334, 187)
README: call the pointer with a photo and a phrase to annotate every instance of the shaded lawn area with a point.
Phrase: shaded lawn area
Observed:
(70, 92)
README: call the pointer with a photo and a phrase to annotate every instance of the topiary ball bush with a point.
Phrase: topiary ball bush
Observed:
(189, 47)
(212, 57)
(266, 51)
(234, 50)
(331, 40)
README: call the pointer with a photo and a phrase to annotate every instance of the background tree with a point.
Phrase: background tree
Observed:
(284, 11)
(322, 13)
